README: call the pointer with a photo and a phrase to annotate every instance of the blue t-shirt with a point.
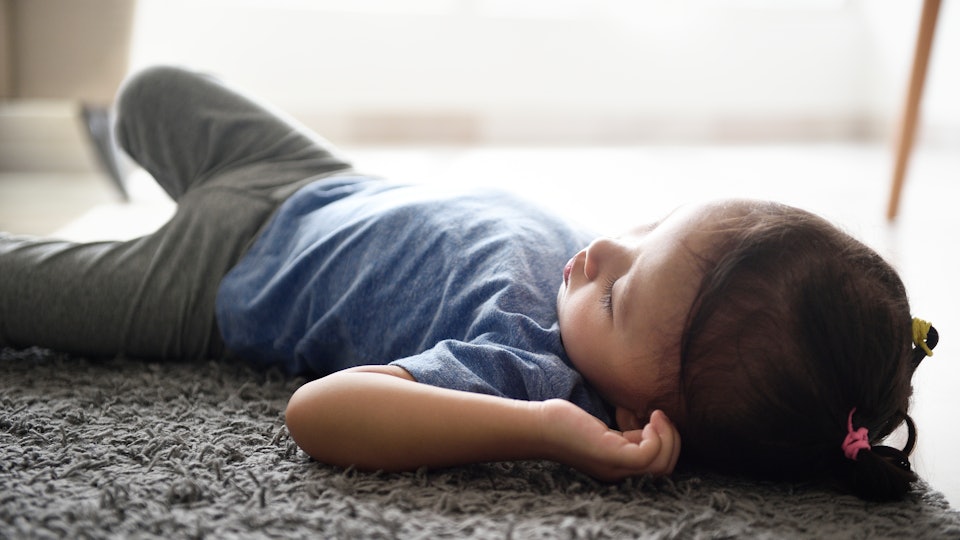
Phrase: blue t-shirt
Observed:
(456, 286)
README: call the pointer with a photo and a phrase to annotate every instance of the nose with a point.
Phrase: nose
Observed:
(601, 254)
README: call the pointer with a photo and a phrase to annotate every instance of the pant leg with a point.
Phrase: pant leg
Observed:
(153, 297)
(187, 129)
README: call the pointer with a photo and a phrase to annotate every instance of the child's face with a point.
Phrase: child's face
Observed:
(624, 302)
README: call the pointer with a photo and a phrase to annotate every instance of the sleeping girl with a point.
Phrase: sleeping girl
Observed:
(445, 326)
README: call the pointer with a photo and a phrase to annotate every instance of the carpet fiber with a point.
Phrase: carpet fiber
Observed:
(127, 448)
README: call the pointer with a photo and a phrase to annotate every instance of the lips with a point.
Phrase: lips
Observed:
(568, 269)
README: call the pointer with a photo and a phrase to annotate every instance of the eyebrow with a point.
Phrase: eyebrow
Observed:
(670, 213)
(649, 226)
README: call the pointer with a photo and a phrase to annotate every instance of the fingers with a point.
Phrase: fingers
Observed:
(654, 450)
(659, 443)
(669, 454)
(646, 452)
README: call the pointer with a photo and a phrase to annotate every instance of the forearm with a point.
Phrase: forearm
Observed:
(376, 421)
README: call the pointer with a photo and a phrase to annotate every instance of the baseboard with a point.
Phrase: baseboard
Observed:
(43, 136)
(583, 128)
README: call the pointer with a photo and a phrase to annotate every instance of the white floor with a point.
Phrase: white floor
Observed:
(612, 188)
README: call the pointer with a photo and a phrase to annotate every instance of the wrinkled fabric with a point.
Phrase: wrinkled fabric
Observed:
(456, 286)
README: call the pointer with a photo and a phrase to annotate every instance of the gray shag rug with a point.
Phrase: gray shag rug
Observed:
(125, 448)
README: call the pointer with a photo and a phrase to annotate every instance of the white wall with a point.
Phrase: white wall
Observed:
(892, 28)
(579, 70)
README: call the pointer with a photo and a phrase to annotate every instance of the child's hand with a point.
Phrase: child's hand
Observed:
(576, 438)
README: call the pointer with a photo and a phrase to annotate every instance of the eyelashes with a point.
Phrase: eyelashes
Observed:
(606, 299)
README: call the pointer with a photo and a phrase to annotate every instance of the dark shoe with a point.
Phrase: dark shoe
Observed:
(97, 121)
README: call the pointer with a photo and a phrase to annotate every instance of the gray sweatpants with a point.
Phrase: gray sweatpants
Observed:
(228, 162)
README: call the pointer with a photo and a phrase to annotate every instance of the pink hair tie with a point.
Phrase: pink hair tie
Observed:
(856, 440)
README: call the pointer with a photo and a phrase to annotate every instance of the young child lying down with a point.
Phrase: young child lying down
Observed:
(450, 326)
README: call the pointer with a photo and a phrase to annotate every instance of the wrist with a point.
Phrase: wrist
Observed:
(550, 439)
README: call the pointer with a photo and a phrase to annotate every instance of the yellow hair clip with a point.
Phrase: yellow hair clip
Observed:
(921, 329)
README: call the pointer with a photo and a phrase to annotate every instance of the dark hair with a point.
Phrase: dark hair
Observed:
(796, 324)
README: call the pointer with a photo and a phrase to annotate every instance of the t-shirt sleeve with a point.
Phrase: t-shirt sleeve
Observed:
(489, 368)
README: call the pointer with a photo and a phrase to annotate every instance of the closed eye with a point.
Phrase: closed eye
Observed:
(606, 299)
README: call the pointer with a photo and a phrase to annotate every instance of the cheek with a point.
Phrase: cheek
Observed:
(579, 328)
(574, 312)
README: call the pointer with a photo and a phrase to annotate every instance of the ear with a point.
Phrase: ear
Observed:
(628, 420)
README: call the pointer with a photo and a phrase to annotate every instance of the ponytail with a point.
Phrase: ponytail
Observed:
(881, 473)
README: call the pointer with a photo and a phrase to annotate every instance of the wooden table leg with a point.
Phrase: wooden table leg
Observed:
(911, 109)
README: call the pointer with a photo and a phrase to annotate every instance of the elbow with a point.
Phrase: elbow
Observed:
(301, 419)
(340, 420)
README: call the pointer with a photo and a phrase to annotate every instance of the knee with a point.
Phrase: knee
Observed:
(151, 97)
(146, 89)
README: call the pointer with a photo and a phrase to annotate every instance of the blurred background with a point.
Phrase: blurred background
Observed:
(610, 111)
(500, 71)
